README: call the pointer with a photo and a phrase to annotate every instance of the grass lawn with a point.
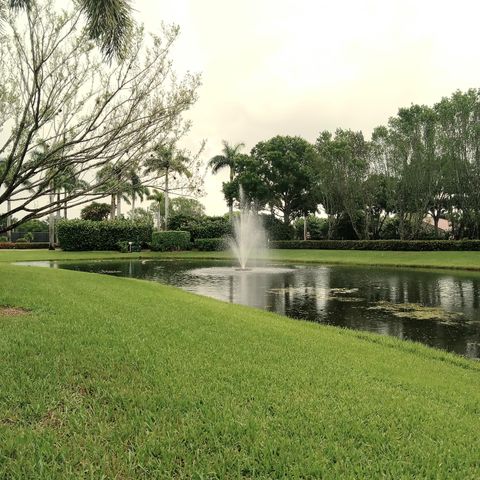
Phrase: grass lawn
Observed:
(451, 260)
(118, 378)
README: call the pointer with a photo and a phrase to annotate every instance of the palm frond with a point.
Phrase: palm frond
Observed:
(219, 162)
(20, 4)
(109, 22)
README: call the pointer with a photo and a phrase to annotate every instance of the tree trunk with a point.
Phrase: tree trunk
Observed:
(166, 200)
(305, 227)
(59, 214)
(9, 220)
(230, 204)
(330, 227)
(159, 218)
(435, 224)
(119, 205)
(51, 226)
(65, 208)
(132, 212)
(112, 207)
(401, 225)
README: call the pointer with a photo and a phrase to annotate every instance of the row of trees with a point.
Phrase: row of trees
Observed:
(424, 163)
(77, 128)
(186, 207)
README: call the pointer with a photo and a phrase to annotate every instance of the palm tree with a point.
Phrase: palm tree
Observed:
(50, 184)
(158, 204)
(163, 161)
(113, 183)
(228, 159)
(70, 182)
(109, 22)
(135, 189)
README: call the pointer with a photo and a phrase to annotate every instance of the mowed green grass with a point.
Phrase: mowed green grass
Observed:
(120, 378)
(451, 260)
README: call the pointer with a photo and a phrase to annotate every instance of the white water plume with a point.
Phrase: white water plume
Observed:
(249, 239)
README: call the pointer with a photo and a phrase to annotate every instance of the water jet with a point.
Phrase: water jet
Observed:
(249, 238)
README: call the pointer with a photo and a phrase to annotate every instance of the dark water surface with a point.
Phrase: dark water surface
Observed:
(440, 309)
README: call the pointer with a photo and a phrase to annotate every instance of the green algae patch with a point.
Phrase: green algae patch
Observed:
(417, 311)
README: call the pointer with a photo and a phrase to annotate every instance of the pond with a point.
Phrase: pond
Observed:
(438, 308)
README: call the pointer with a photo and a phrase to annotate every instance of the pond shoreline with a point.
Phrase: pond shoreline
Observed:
(435, 307)
(456, 260)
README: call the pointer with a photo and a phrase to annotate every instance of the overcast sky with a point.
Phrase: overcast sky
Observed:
(298, 67)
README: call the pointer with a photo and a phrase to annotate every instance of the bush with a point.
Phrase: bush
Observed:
(34, 245)
(22, 240)
(23, 245)
(75, 235)
(3, 238)
(391, 230)
(32, 226)
(276, 229)
(395, 245)
(317, 228)
(170, 240)
(210, 244)
(125, 247)
(95, 211)
(201, 227)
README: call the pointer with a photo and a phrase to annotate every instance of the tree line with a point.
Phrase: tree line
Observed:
(423, 164)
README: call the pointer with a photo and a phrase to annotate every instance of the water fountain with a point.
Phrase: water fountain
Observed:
(249, 246)
(249, 240)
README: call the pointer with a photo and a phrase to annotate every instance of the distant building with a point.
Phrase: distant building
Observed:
(443, 224)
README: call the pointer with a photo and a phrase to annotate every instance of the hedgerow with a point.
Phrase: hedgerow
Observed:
(75, 235)
(395, 245)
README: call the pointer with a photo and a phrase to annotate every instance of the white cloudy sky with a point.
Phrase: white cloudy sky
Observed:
(298, 67)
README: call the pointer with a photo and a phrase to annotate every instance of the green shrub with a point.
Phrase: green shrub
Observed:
(202, 226)
(33, 226)
(74, 235)
(317, 228)
(276, 229)
(391, 230)
(95, 211)
(3, 238)
(22, 240)
(170, 240)
(210, 244)
(23, 245)
(29, 246)
(125, 247)
(395, 245)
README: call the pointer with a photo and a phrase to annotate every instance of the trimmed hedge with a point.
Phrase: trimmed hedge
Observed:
(75, 235)
(395, 245)
(210, 244)
(170, 240)
(202, 226)
(23, 245)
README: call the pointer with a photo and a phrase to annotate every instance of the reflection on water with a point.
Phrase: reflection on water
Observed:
(336, 295)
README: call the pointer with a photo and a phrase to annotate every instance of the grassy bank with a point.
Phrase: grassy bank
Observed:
(452, 260)
(131, 379)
